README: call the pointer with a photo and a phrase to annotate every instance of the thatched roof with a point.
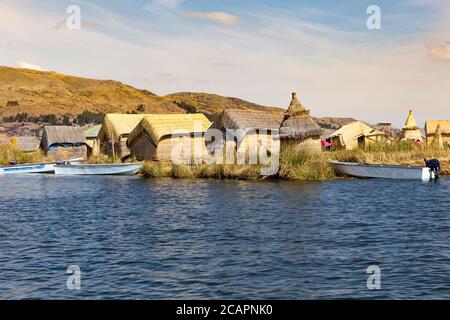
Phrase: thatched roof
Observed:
(297, 123)
(118, 126)
(93, 132)
(295, 107)
(249, 120)
(410, 123)
(411, 130)
(161, 125)
(27, 144)
(61, 135)
(353, 131)
(438, 141)
(431, 126)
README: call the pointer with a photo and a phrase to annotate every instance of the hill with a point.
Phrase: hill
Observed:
(41, 93)
(212, 105)
(37, 93)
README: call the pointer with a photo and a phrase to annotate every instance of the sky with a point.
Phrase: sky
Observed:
(257, 50)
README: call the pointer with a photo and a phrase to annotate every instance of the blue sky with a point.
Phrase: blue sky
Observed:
(255, 50)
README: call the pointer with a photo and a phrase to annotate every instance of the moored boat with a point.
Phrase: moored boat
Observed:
(98, 169)
(29, 168)
(380, 171)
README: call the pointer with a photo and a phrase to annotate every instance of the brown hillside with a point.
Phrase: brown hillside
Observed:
(37, 93)
(40, 93)
(212, 105)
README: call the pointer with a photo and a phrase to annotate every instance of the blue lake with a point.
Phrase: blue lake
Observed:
(206, 239)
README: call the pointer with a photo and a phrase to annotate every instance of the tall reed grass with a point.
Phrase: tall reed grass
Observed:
(304, 164)
(9, 152)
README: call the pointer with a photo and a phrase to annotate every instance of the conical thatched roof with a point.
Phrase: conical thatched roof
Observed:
(295, 107)
(411, 130)
(410, 123)
(438, 141)
(297, 123)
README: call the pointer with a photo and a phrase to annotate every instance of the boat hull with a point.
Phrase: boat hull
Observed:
(98, 169)
(383, 171)
(30, 168)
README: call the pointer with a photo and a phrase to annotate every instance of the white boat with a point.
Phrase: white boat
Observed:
(98, 169)
(47, 167)
(29, 168)
(383, 171)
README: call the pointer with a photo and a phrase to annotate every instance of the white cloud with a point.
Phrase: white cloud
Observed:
(27, 65)
(218, 17)
(439, 50)
(159, 6)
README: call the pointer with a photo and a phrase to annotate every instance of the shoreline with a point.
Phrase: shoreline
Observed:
(294, 165)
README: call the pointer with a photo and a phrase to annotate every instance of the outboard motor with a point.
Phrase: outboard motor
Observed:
(434, 165)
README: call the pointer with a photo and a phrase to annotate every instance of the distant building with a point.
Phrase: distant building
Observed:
(92, 141)
(354, 135)
(169, 137)
(64, 143)
(411, 130)
(298, 127)
(114, 133)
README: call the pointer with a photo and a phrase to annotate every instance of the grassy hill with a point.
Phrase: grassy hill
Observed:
(41, 93)
(37, 93)
(212, 105)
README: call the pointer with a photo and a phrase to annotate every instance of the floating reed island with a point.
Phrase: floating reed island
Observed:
(239, 144)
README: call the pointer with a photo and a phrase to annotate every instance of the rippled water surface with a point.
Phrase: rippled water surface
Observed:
(188, 239)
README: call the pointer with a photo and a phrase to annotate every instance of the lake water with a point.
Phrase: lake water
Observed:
(187, 239)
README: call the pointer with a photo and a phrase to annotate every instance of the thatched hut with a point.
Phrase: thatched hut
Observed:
(63, 142)
(92, 142)
(114, 133)
(249, 129)
(299, 128)
(354, 135)
(27, 144)
(171, 137)
(431, 127)
(411, 130)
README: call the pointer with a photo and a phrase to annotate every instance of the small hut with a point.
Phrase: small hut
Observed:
(93, 145)
(249, 129)
(64, 143)
(432, 126)
(411, 130)
(114, 133)
(170, 137)
(299, 128)
(27, 144)
(354, 135)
